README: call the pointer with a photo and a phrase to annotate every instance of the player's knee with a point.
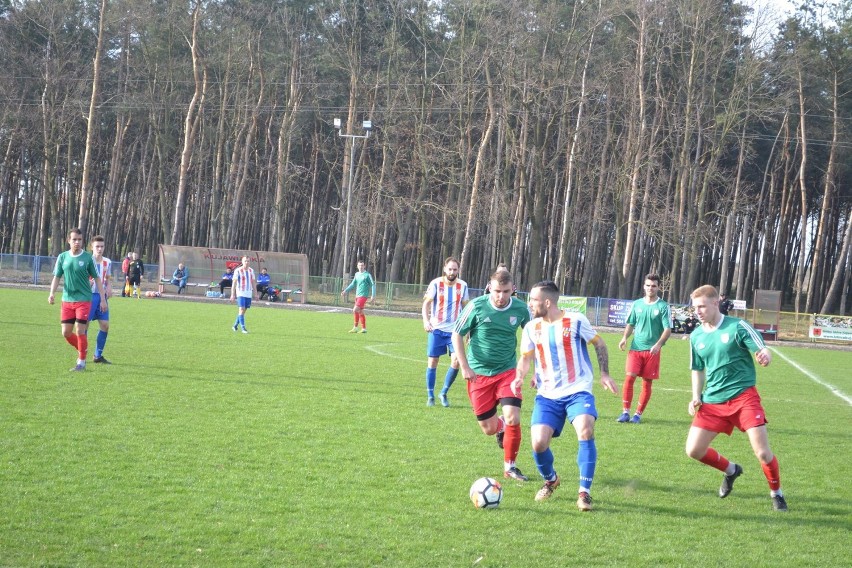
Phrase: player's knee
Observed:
(764, 455)
(695, 452)
(539, 445)
(586, 433)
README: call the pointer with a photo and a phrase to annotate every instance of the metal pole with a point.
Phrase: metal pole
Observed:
(348, 209)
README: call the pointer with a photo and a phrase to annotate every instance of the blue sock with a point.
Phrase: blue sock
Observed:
(544, 463)
(100, 343)
(431, 375)
(243, 320)
(449, 379)
(587, 457)
(237, 321)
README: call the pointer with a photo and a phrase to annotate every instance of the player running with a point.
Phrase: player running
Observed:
(724, 394)
(489, 362)
(556, 339)
(442, 304)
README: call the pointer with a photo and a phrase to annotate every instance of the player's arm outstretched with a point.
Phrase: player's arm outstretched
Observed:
(603, 363)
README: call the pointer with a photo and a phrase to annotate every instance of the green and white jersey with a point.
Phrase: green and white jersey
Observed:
(649, 321)
(75, 272)
(493, 334)
(364, 285)
(725, 354)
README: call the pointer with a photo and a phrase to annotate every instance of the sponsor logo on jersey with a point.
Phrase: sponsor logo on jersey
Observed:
(725, 338)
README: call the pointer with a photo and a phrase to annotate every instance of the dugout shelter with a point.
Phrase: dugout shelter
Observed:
(288, 271)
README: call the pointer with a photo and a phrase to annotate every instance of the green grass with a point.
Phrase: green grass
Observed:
(302, 445)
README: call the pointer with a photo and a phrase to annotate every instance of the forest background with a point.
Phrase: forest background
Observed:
(586, 141)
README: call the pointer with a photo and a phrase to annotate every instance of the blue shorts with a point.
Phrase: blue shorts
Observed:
(440, 343)
(243, 302)
(95, 312)
(555, 412)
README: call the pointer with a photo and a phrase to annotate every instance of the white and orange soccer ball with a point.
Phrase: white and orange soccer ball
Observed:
(486, 493)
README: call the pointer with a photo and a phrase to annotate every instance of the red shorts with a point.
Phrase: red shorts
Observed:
(744, 411)
(643, 364)
(75, 311)
(360, 301)
(487, 391)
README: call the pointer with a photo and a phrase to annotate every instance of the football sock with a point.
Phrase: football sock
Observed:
(431, 375)
(72, 340)
(544, 464)
(714, 459)
(100, 343)
(512, 442)
(242, 320)
(501, 424)
(587, 458)
(644, 395)
(363, 320)
(449, 379)
(82, 346)
(357, 319)
(627, 390)
(773, 474)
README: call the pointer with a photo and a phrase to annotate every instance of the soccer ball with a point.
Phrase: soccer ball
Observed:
(486, 493)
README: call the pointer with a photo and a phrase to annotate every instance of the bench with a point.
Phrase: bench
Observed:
(767, 331)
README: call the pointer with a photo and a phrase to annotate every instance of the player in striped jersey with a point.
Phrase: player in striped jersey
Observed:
(442, 304)
(724, 394)
(103, 266)
(243, 287)
(557, 340)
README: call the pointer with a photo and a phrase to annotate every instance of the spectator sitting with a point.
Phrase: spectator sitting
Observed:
(263, 283)
(180, 276)
(227, 280)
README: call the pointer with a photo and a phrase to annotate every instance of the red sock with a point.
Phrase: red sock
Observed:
(714, 459)
(72, 339)
(772, 473)
(363, 320)
(512, 442)
(356, 319)
(82, 346)
(627, 389)
(645, 395)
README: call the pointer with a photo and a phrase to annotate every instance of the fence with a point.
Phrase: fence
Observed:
(325, 291)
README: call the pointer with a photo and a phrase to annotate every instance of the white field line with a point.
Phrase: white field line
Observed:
(377, 349)
(834, 390)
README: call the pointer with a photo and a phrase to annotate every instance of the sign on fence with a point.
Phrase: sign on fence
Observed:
(617, 313)
(572, 304)
(831, 327)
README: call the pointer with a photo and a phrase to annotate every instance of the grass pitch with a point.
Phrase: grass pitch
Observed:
(302, 445)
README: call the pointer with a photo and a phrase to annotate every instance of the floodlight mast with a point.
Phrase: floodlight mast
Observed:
(367, 126)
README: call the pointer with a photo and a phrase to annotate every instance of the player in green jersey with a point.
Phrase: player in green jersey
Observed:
(724, 395)
(365, 291)
(75, 266)
(488, 364)
(651, 320)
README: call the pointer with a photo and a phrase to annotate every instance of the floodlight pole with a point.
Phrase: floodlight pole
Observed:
(367, 126)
